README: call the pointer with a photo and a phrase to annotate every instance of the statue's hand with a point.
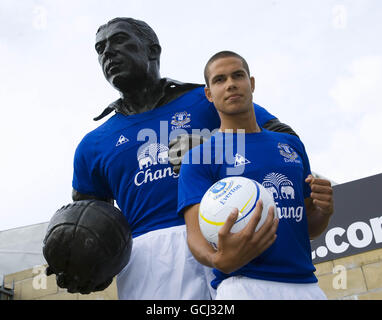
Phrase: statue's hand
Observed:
(179, 146)
(76, 285)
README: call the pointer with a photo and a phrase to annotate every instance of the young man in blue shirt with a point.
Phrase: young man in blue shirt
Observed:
(274, 262)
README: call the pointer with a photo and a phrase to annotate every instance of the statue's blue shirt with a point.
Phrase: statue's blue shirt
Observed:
(126, 159)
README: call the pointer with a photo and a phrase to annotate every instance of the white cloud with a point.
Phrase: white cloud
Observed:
(352, 153)
(339, 17)
(354, 149)
(362, 88)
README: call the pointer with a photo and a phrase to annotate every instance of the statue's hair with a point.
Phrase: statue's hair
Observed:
(141, 29)
(224, 54)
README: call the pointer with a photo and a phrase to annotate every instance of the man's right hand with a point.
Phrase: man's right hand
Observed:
(237, 249)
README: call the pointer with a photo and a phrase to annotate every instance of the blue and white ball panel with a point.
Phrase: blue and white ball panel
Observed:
(225, 195)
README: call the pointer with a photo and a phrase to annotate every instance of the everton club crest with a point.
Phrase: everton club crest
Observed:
(180, 120)
(288, 153)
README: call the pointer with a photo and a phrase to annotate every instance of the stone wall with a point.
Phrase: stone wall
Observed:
(355, 277)
(32, 284)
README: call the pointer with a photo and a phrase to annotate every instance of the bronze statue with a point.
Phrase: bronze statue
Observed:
(110, 163)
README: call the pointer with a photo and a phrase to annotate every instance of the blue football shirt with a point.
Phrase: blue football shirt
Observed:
(126, 158)
(279, 162)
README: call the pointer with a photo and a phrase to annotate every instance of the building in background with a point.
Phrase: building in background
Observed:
(21, 248)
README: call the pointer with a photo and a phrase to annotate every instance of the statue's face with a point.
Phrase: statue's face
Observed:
(123, 56)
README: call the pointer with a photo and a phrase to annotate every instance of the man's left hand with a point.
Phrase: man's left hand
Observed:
(322, 194)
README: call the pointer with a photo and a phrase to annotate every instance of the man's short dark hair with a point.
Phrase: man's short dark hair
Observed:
(224, 54)
(141, 29)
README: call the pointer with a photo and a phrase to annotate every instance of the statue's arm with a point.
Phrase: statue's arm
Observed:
(77, 196)
(277, 126)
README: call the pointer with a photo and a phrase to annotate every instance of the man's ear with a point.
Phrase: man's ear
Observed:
(155, 51)
(207, 92)
(252, 83)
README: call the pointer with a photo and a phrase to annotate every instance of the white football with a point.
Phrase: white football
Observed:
(225, 195)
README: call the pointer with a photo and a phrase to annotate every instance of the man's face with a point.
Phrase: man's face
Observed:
(230, 87)
(122, 55)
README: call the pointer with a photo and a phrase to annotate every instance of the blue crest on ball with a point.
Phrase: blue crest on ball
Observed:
(219, 186)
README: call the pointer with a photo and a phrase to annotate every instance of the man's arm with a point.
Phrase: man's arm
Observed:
(77, 196)
(234, 249)
(319, 206)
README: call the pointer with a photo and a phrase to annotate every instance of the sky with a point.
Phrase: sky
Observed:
(317, 65)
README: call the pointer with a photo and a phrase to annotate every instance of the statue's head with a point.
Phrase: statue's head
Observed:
(128, 52)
